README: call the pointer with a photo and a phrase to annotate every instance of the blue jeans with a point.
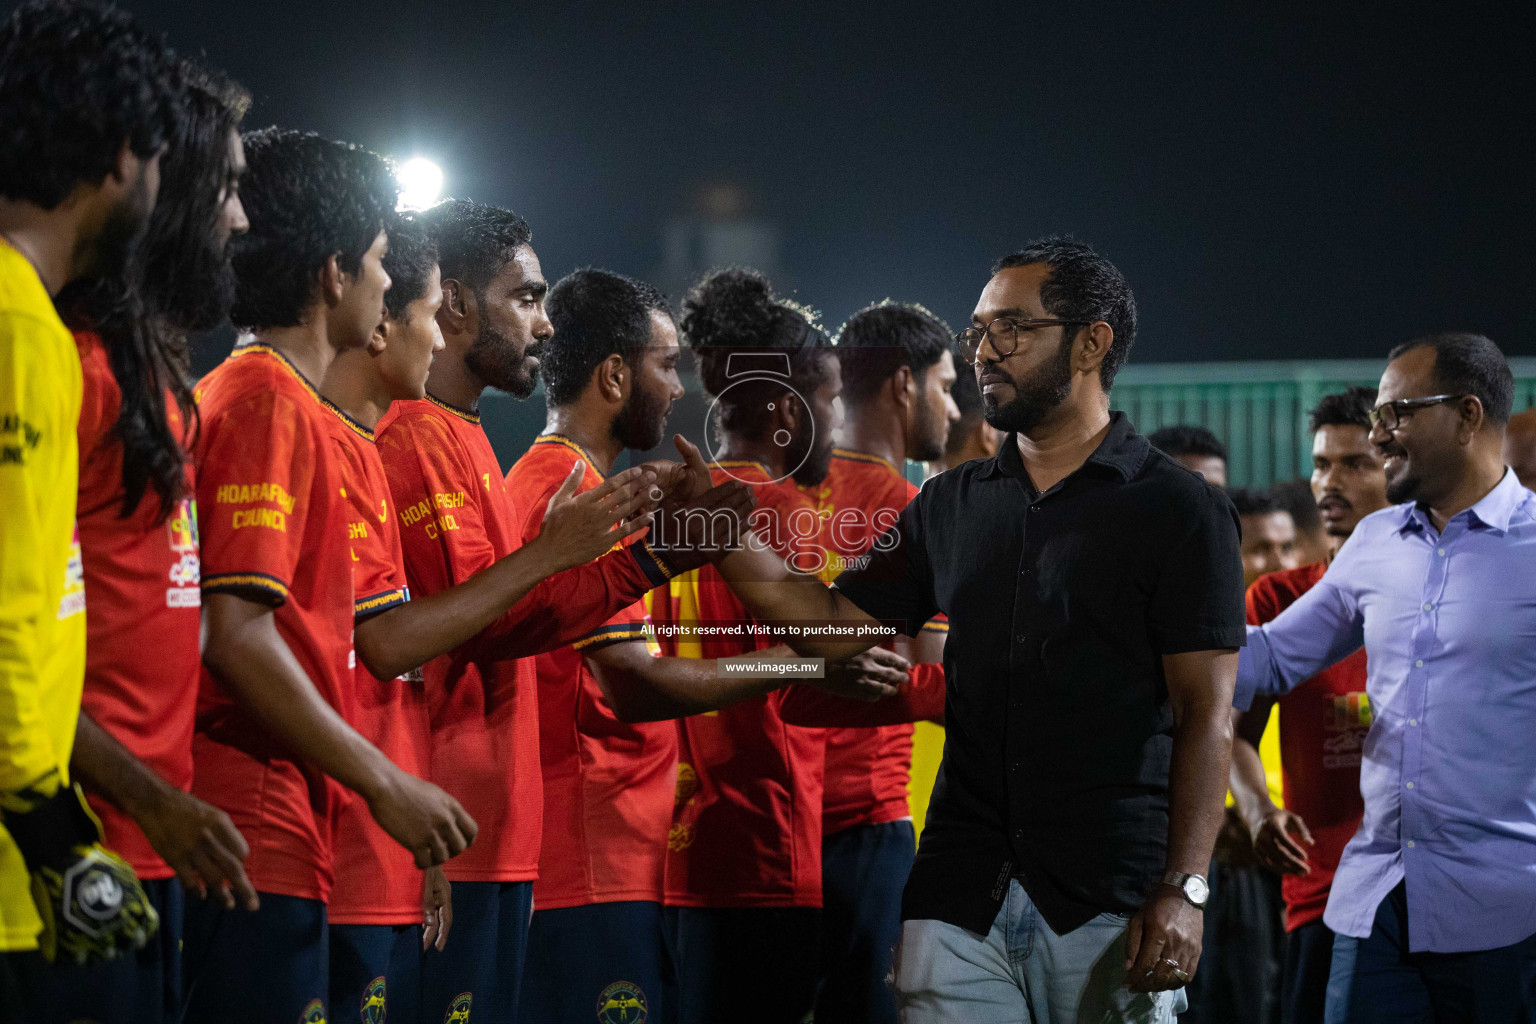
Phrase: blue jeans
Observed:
(1377, 979)
(1022, 972)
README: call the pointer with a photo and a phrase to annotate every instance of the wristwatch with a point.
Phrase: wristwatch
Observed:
(1194, 887)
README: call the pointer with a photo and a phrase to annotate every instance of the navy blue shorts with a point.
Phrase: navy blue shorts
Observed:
(481, 970)
(269, 967)
(1304, 979)
(372, 963)
(755, 963)
(863, 870)
(604, 959)
(140, 989)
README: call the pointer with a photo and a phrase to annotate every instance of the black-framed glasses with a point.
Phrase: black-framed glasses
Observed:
(1004, 332)
(1388, 415)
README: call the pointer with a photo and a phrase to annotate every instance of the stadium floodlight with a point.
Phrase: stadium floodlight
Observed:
(421, 184)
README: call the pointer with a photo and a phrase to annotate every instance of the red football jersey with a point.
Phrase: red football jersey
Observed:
(608, 784)
(377, 881)
(867, 769)
(1323, 723)
(141, 586)
(273, 521)
(746, 826)
(458, 517)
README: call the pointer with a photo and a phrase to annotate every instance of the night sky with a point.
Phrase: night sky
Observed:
(1275, 184)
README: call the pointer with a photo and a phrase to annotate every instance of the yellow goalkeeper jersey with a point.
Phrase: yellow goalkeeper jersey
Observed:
(42, 586)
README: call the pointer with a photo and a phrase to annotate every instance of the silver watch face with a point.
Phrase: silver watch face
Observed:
(1197, 890)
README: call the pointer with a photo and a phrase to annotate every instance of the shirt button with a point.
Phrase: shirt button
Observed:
(1410, 785)
(1034, 508)
(1413, 721)
(1022, 638)
(1018, 833)
(1419, 663)
(1429, 607)
(1410, 844)
(1441, 552)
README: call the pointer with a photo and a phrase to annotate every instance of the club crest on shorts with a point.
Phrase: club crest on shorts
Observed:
(314, 1013)
(372, 1009)
(458, 1010)
(622, 1003)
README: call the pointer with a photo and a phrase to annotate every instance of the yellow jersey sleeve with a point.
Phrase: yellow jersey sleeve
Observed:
(42, 587)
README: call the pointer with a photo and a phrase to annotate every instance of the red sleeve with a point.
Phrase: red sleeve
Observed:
(378, 581)
(921, 700)
(574, 604)
(253, 488)
(1262, 602)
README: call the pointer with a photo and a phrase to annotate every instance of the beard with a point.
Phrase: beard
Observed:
(812, 459)
(929, 434)
(495, 359)
(642, 422)
(116, 243)
(1034, 398)
(1403, 488)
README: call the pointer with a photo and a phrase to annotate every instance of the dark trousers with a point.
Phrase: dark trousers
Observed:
(479, 976)
(1377, 978)
(1304, 978)
(1238, 981)
(607, 956)
(375, 969)
(141, 989)
(752, 964)
(863, 871)
(245, 968)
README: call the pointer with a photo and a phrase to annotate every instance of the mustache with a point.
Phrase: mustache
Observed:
(990, 377)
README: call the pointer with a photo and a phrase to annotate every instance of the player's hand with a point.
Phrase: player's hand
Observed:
(1162, 946)
(1277, 842)
(702, 529)
(682, 481)
(870, 676)
(91, 903)
(422, 818)
(436, 909)
(201, 845)
(579, 527)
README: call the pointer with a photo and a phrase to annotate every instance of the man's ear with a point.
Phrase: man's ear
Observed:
(332, 280)
(789, 412)
(1473, 417)
(458, 307)
(1091, 345)
(903, 387)
(614, 379)
(379, 339)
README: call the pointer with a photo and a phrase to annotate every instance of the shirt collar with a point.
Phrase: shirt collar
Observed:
(1494, 510)
(1122, 451)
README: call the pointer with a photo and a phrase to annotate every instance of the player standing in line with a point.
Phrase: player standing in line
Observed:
(86, 104)
(277, 583)
(138, 539)
(459, 517)
(381, 901)
(608, 749)
(896, 374)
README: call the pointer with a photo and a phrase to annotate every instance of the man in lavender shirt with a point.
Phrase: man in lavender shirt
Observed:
(1435, 900)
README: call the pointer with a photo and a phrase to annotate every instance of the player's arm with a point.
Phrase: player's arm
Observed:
(1323, 627)
(577, 529)
(196, 839)
(1280, 837)
(919, 699)
(244, 650)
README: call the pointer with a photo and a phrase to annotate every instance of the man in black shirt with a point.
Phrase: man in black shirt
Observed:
(1094, 593)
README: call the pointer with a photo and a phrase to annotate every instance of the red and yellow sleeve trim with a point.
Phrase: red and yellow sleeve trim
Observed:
(611, 634)
(936, 626)
(366, 606)
(246, 581)
(853, 456)
(656, 569)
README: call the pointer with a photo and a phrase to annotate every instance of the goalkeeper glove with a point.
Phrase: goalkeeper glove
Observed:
(91, 902)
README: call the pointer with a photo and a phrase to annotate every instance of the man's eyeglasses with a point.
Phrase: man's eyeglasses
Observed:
(1388, 415)
(1004, 332)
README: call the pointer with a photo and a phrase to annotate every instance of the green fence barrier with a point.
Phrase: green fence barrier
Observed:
(1258, 409)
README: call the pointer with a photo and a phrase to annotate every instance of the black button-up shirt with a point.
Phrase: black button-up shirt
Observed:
(1058, 725)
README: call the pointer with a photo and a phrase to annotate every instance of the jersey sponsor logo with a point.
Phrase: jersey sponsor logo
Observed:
(431, 522)
(680, 837)
(687, 783)
(186, 572)
(314, 1013)
(622, 1003)
(372, 1009)
(72, 602)
(246, 494)
(184, 597)
(17, 438)
(1350, 711)
(270, 518)
(357, 531)
(458, 1010)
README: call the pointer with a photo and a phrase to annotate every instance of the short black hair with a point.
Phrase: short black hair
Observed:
(735, 312)
(880, 339)
(77, 81)
(1348, 408)
(409, 262)
(1083, 286)
(308, 198)
(1187, 439)
(1469, 364)
(596, 313)
(1295, 497)
(1253, 502)
(475, 240)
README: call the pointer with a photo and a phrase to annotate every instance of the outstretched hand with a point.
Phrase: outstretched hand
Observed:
(579, 527)
(870, 676)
